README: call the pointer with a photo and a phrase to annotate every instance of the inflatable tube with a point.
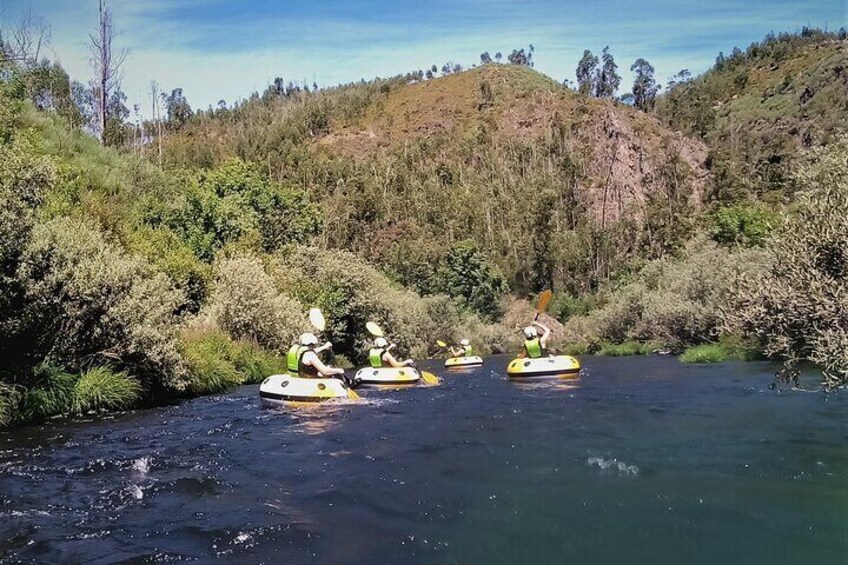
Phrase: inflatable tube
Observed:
(455, 362)
(561, 366)
(387, 376)
(286, 390)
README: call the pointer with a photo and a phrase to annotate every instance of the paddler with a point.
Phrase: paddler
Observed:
(380, 355)
(464, 349)
(302, 359)
(535, 346)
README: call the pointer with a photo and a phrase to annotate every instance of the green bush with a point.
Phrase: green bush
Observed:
(101, 388)
(173, 257)
(85, 298)
(743, 224)
(469, 276)
(247, 305)
(10, 398)
(563, 306)
(676, 302)
(797, 309)
(237, 201)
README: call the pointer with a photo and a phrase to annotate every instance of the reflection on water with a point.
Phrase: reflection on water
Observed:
(640, 460)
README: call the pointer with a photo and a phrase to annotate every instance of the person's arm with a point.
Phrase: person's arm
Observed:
(546, 333)
(312, 359)
(325, 347)
(390, 359)
(457, 352)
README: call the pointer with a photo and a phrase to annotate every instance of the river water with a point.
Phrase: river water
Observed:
(643, 460)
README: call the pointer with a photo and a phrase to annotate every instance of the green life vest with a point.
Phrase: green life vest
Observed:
(466, 350)
(296, 351)
(533, 347)
(375, 357)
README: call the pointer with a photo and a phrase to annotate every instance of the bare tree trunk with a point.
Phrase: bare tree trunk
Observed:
(106, 63)
(156, 116)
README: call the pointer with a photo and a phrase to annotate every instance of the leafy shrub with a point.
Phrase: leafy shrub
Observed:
(10, 398)
(797, 308)
(564, 306)
(743, 224)
(469, 276)
(86, 299)
(173, 257)
(247, 305)
(207, 221)
(238, 200)
(101, 388)
(675, 302)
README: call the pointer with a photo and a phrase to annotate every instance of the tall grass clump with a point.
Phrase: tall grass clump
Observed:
(211, 369)
(10, 397)
(51, 393)
(729, 348)
(217, 363)
(101, 388)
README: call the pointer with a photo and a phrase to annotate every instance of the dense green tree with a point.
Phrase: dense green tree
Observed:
(608, 79)
(522, 57)
(586, 73)
(485, 58)
(645, 87)
(469, 276)
(177, 109)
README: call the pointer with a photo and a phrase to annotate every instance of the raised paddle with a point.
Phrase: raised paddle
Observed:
(542, 303)
(316, 318)
(374, 329)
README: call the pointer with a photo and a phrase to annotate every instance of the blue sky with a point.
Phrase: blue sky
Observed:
(225, 49)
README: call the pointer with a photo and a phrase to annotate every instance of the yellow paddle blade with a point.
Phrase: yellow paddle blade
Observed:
(316, 318)
(544, 299)
(441, 343)
(430, 378)
(352, 395)
(374, 329)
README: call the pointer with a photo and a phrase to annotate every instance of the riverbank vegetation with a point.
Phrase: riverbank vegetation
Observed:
(182, 260)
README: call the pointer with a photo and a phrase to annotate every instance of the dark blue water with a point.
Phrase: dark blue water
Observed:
(643, 461)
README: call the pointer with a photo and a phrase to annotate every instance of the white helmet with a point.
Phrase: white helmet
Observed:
(308, 339)
(465, 342)
(530, 332)
(381, 342)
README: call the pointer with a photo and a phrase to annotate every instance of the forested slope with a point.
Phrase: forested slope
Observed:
(555, 187)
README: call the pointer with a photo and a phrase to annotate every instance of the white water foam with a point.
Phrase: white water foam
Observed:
(141, 466)
(614, 464)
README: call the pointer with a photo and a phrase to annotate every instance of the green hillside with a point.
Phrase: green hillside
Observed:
(556, 188)
(757, 109)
